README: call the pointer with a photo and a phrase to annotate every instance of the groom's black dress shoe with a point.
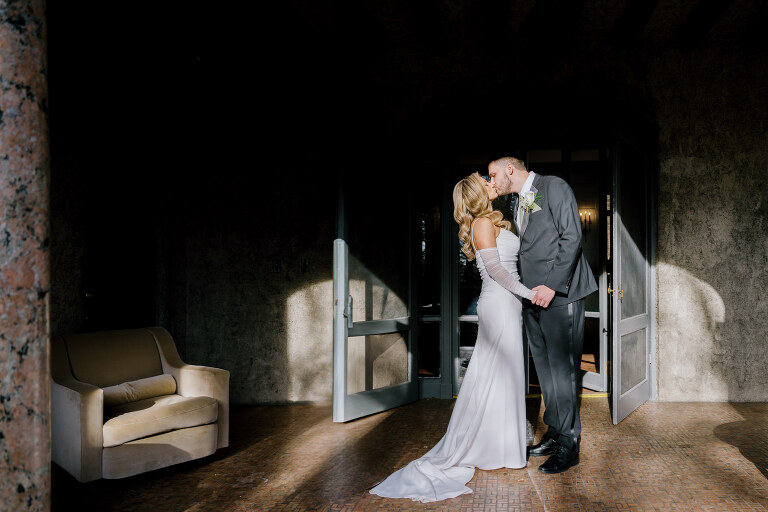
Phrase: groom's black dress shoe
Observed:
(545, 447)
(562, 459)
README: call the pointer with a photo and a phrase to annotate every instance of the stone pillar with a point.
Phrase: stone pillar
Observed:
(25, 473)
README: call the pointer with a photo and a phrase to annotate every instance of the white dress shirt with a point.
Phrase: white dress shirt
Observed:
(526, 187)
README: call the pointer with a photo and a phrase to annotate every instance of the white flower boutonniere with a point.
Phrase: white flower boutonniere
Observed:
(528, 202)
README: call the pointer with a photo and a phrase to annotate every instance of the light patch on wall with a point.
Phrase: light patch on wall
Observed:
(376, 361)
(372, 299)
(690, 316)
(380, 360)
(309, 335)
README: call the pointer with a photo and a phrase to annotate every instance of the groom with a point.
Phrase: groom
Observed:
(550, 256)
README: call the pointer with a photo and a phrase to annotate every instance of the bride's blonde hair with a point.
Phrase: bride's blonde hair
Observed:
(470, 201)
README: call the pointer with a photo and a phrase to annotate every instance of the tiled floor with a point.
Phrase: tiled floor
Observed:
(664, 456)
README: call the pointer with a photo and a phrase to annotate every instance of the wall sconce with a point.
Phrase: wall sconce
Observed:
(588, 216)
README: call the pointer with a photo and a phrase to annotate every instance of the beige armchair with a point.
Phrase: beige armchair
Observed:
(123, 402)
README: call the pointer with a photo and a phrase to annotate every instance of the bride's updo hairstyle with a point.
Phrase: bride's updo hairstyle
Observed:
(470, 201)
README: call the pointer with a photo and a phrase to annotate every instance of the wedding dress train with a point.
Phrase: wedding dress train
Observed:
(487, 428)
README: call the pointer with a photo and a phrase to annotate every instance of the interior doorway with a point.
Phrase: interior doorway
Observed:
(587, 170)
(448, 285)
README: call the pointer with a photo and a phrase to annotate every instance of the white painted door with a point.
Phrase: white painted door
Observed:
(374, 350)
(632, 290)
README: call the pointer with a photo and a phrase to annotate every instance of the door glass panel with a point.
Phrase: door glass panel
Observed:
(633, 359)
(378, 239)
(467, 339)
(633, 233)
(428, 211)
(540, 156)
(590, 358)
(467, 334)
(465, 354)
(585, 182)
(429, 279)
(376, 361)
(376, 294)
(592, 301)
(504, 205)
(429, 349)
(469, 285)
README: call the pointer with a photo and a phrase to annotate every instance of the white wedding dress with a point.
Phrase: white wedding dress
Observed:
(487, 429)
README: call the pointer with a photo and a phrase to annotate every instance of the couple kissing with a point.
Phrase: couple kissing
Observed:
(534, 275)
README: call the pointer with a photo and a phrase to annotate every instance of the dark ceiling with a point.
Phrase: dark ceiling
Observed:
(212, 81)
(389, 63)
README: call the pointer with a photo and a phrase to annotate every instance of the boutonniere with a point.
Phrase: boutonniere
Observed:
(528, 202)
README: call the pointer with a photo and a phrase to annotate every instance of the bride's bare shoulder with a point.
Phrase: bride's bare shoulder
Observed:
(484, 233)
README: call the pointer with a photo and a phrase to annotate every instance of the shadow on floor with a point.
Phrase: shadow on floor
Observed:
(750, 436)
(192, 485)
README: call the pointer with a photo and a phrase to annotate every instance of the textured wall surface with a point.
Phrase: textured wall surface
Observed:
(712, 113)
(249, 306)
(67, 297)
(24, 268)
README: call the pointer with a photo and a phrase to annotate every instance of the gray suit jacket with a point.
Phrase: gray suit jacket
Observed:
(550, 244)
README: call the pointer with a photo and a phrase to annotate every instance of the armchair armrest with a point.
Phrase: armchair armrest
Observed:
(77, 423)
(195, 380)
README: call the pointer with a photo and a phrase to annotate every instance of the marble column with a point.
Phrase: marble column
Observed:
(25, 474)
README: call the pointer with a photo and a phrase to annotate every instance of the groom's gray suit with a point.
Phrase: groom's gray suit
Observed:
(550, 254)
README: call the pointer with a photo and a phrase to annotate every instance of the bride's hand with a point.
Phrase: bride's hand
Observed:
(544, 295)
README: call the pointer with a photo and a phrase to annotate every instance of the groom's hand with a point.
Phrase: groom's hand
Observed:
(544, 295)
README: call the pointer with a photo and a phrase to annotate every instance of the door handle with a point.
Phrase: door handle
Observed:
(621, 292)
(348, 312)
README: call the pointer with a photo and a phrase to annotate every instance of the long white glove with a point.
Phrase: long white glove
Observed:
(501, 275)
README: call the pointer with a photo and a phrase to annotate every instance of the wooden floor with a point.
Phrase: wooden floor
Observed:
(664, 456)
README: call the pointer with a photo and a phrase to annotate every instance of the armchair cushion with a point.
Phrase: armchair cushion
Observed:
(109, 358)
(135, 420)
(135, 390)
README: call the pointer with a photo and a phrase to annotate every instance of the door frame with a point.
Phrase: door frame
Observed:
(445, 386)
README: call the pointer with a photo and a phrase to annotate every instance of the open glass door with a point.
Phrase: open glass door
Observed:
(589, 176)
(584, 165)
(631, 294)
(374, 363)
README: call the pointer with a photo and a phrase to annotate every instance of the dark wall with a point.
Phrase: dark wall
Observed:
(116, 135)
(195, 152)
(173, 123)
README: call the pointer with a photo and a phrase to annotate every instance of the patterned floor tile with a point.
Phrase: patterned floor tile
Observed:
(663, 457)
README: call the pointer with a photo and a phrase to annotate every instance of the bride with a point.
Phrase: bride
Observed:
(487, 429)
